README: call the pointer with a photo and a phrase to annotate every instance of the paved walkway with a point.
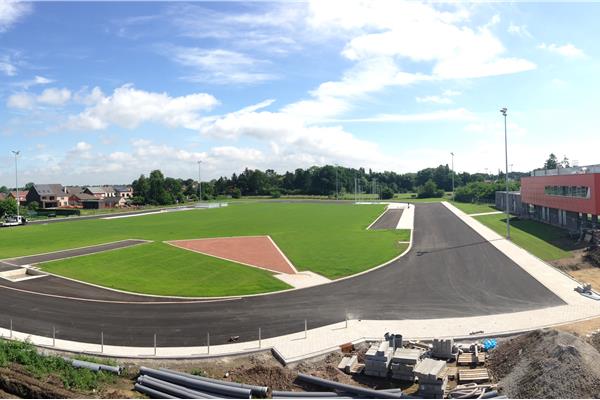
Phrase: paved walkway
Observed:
(486, 213)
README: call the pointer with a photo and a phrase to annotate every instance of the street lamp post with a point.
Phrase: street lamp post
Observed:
(503, 111)
(337, 190)
(16, 153)
(452, 153)
(199, 181)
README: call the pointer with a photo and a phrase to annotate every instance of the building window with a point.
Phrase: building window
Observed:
(568, 191)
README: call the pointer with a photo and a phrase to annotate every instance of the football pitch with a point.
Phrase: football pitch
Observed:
(328, 239)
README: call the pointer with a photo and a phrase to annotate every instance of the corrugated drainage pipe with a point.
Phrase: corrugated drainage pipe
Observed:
(153, 394)
(171, 388)
(256, 390)
(239, 393)
(376, 394)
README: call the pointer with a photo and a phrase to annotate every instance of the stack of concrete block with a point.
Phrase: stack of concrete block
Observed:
(377, 359)
(432, 378)
(347, 364)
(395, 340)
(443, 348)
(404, 362)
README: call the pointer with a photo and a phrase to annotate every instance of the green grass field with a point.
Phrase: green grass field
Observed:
(329, 239)
(471, 208)
(542, 240)
(161, 269)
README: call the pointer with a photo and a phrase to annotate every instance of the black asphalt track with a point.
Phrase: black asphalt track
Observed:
(451, 271)
(388, 220)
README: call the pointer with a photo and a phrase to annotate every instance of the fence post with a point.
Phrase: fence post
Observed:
(259, 339)
(207, 342)
(11, 328)
(155, 344)
(101, 342)
(346, 320)
(53, 336)
(305, 329)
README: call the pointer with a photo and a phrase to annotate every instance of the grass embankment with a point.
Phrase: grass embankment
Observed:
(329, 239)
(473, 208)
(544, 241)
(41, 366)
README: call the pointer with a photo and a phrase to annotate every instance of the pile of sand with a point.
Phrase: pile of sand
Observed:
(547, 364)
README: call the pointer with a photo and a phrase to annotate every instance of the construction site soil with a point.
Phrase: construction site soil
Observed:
(547, 364)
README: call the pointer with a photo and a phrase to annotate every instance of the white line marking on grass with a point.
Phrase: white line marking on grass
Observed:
(485, 213)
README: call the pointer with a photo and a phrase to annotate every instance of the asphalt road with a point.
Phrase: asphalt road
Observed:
(389, 219)
(450, 272)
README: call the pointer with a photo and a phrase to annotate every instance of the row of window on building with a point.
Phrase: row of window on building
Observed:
(568, 191)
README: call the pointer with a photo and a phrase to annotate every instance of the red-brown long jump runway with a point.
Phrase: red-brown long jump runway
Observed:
(254, 251)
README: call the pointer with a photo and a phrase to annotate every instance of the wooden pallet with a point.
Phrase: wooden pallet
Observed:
(473, 375)
(470, 359)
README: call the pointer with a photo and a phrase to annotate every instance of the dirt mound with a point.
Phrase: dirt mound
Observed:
(265, 375)
(18, 383)
(547, 364)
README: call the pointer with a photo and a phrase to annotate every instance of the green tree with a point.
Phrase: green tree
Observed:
(565, 163)
(4, 189)
(33, 206)
(387, 193)
(429, 189)
(551, 162)
(8, 206)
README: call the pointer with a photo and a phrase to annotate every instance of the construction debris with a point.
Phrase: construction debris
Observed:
(443, 348)
(477, 375)
(432, 378)
(377, 359)
(404, 362)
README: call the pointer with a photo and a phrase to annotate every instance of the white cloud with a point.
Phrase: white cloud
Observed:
(419, 33)
(434, 99)
(21, 100)
(54, 97)
(11, 11)
(83, 146)
(220, 66)
(567, 50)
(50, 97)
(129, 107)
(7, 68)
(37, 80)
(458, 114)
(519, 30)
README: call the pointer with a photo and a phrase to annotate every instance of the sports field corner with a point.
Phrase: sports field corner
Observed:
(321, 242)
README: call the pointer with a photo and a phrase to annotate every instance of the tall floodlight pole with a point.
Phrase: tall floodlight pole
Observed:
(503, 111)
(16, 153)
(337, 190)
(199, 180)
(452, 153)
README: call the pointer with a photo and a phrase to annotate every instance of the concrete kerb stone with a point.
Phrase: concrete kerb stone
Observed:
(288, 349)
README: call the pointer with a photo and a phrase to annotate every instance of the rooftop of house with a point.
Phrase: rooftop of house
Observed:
(52, 189)
(122, 188)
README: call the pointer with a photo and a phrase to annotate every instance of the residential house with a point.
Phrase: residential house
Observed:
(124, 191)
(77, 199)
(101, 203)
(48, 195)
(101, 192)
(22, 196)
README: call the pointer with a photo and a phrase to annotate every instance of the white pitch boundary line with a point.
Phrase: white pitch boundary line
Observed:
(283, 255)
(75, 248)
(378, 218)
(228, 259)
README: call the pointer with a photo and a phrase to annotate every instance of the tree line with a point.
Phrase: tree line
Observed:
(317, 180)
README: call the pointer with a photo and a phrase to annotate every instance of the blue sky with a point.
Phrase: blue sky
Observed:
(101, 92)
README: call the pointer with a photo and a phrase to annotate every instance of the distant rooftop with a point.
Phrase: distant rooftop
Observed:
(586, 169)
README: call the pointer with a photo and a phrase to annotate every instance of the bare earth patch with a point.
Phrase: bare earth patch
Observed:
(254, 251)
